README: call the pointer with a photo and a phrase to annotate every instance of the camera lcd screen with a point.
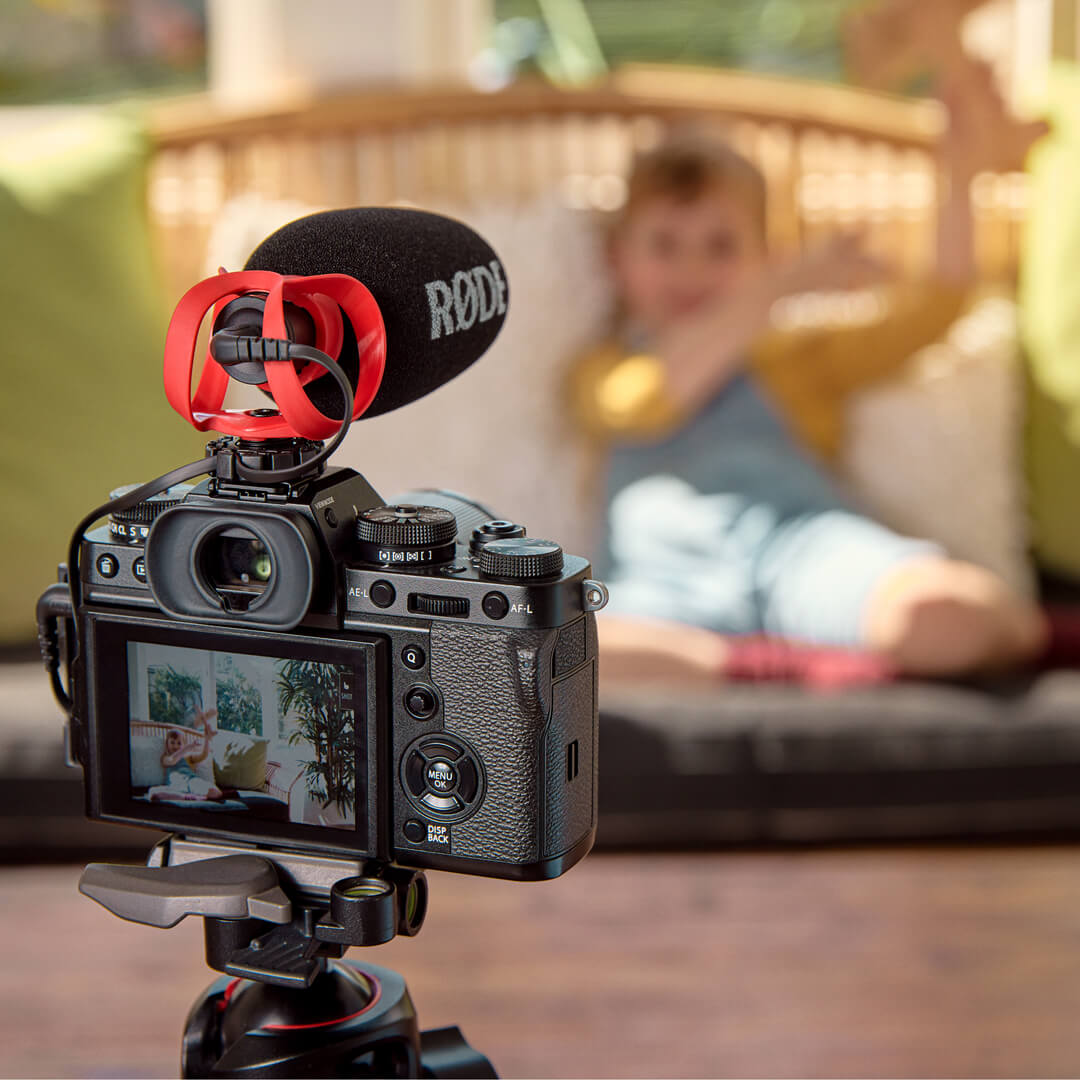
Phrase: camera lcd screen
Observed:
(232, 732)
(251, 736)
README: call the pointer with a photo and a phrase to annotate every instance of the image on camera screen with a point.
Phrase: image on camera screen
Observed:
(220, 731)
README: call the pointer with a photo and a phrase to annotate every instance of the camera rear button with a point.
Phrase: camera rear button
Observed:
(441, 776)
(138, 568)
(439, 748)
(381, 593)
(468, 781)
(414, 773)
(495, 605)
(412, 656)
(414, 830)
(421, 702)
(443, 804)
(107, 565)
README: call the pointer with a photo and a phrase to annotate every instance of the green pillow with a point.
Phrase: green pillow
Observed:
(84, 314)
(1050, 324)
(239, 760)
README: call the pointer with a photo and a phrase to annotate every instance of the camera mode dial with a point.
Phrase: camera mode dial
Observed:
(132, 524)
(520, 559)
(406, 535)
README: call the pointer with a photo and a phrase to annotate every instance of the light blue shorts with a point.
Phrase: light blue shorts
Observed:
(739, 566)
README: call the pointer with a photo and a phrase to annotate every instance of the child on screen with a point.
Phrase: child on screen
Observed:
(179, 761)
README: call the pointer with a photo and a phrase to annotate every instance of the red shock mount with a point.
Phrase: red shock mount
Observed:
(324, 297)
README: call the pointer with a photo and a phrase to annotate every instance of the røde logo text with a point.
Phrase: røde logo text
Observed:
(471, 296)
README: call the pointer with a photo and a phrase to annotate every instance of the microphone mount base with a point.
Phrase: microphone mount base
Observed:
(242, 464)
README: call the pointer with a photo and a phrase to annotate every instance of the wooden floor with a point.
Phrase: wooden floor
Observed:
(903, 962)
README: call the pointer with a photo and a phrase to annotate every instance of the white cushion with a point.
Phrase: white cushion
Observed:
(146, 767)
(937, 452)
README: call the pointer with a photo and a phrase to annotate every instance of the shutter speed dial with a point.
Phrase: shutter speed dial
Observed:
(493, 530)
(406, 535)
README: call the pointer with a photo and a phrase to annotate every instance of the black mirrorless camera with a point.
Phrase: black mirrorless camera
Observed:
(415, 681)
(274, 655)
(315, 693)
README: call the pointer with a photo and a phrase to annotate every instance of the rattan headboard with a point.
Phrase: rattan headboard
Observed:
(832, 155)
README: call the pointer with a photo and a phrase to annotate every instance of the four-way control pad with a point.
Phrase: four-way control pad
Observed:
(442, 777)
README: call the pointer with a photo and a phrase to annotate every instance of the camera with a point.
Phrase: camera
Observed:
(274, 655)
(317, 694)
(413, 682)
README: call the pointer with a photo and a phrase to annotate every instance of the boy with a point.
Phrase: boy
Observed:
(720, 522)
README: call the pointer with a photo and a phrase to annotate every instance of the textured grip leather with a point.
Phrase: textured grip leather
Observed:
(496, 688)
(498, 694)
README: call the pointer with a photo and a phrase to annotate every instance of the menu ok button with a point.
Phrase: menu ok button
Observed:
(441, 776)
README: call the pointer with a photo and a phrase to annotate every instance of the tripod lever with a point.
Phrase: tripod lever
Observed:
(230, 887)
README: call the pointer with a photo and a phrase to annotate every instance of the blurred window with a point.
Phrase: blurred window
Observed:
(561, 38)
(67, 51)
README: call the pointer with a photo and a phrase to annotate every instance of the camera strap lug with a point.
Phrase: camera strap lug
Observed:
(594, 595)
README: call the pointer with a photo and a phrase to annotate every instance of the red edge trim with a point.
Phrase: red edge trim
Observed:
(329, 1023)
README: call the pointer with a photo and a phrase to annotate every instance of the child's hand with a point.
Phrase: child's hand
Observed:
(982, 134)
(205, 717)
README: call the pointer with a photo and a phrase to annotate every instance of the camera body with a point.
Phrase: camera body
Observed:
(301, 666)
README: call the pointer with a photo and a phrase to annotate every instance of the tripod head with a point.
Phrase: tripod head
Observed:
(269, 915)
(276, 924)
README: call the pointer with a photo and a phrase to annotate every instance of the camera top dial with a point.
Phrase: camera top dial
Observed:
(521, 558)
(132, 525)
(406, 535)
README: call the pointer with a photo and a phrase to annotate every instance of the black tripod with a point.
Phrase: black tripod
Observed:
(277, 924)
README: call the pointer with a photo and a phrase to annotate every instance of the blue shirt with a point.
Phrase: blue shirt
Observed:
(737, 445)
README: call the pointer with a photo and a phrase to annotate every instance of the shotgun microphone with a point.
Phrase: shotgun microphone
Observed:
(439, 286)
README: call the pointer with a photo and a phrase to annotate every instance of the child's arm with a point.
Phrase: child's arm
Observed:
(208, 734)
(705, 350)
(648, 396)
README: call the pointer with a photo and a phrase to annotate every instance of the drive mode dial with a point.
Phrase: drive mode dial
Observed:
(406, 535)
(132, 524)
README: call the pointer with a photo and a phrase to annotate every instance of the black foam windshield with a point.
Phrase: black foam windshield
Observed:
(440, 286)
